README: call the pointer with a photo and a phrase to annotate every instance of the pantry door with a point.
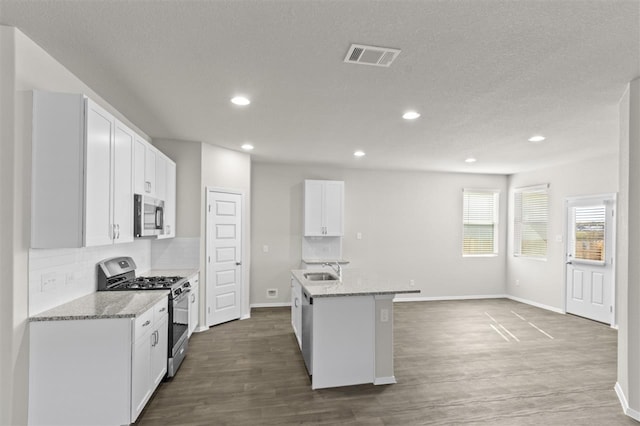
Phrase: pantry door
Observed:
(590, 280)
(223, 257)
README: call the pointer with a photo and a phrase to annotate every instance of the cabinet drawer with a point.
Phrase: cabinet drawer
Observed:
(160, 310)
(143, 324)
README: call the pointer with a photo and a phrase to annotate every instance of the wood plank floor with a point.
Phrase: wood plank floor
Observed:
(452, 367)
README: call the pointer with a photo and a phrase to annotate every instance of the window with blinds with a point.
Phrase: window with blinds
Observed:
(531, 215)
(588, 242)
(480, 222)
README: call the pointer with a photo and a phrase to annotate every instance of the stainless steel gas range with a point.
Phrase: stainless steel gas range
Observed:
(119, 274)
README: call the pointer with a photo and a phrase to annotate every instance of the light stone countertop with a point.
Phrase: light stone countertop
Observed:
(354, 283)
(321, 261)
(104, 305)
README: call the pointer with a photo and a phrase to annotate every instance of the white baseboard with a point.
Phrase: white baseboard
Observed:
(625, 405)
(201, 328)
(536, 304)
(270, 305)
(438, 298)
(385, 380)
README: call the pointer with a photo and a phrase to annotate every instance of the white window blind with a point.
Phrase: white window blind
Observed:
(531, 211)
(480, 222)
(588, 242)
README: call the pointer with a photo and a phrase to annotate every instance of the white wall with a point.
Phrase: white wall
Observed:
(542, 282)
(628, 243)
(411, 226)
(223, 168)
(14, 237)
(24, 67)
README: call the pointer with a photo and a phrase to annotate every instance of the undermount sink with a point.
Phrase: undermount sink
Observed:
(320, 276)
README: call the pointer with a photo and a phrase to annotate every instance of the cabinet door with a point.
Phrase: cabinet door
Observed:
(139, 165)
(100, 127)
(333, 208)
(122, 184)
(150, 170)
(169, 200)
(296, 310)
(161, 177)
(194, 306)
(140, 375)
(313, 225)
(159, 352)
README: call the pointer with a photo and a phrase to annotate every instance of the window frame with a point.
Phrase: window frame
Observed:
(495, 194)
(519, 223)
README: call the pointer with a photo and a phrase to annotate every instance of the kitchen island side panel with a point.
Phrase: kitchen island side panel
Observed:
(343, 341)
(80, 372)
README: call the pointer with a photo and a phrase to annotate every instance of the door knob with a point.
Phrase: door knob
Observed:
(238, 263)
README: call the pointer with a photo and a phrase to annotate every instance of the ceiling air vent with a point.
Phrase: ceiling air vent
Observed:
(371, 55)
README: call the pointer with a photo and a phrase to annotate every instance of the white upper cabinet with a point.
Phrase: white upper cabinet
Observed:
(169, 199)
(323, 208)
(123, 183)
(81, 174)
(145, 169)
(161, 176)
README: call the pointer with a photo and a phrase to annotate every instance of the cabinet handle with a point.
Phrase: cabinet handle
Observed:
(162, 310)
(296, 302)
(193, 298)
(146, 323)
(118, 228)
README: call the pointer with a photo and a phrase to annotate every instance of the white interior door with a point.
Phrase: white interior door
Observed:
(224, 257)
(590, 256)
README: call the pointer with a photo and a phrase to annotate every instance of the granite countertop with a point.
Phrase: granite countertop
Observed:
(354, 283)
(321, 261)
(104, 305)
(170, 273)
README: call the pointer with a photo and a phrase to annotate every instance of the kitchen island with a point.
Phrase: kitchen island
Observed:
(345, 326)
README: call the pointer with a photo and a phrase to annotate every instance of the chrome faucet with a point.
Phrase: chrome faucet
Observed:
(336, 267)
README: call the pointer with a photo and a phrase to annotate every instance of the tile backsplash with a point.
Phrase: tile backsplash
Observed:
(57, 276)
(175, 253)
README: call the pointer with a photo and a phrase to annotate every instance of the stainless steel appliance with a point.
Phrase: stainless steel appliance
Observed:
(118, 273)
(307, 331)
(148, 216)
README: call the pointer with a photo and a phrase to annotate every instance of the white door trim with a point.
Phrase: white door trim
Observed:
(613, 199)
(244, 291)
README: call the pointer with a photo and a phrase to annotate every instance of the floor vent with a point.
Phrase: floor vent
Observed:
(371, 55)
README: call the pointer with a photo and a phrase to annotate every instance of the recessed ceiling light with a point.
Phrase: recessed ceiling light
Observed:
(240, 100)
(536, 138)
(470, 160)
(359, 154)
(410, 115)
(247, 147)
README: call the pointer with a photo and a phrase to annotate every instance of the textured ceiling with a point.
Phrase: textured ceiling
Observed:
(485, 75)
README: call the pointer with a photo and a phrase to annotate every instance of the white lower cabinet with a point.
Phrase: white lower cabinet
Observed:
(149, 356)
(95, 371)
(296, 310)
(194, 304)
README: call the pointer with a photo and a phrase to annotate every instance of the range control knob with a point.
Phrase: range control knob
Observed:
(187, 284)
(177, 291)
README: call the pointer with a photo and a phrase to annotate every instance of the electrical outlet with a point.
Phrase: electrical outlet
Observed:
(51, 280)
(265, 248)
(359, 235)
(517, 283)
(272, 293)
(412, 282)
(384, 315)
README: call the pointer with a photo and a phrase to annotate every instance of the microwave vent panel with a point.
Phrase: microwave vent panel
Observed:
(371, 55)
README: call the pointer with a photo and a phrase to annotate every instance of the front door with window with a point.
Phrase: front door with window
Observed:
(590, 256)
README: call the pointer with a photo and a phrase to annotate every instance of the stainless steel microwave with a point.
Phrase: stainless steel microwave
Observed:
(148, 216)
